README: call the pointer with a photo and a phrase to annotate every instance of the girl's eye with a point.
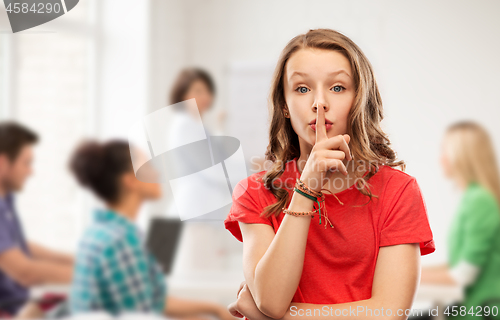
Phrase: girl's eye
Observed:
(338, 88)
(301, 89)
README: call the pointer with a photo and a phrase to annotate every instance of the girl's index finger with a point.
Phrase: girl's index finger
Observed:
(320, 125)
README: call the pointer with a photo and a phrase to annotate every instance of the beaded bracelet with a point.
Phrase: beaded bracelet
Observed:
(296, 213)
(310, 213)
(303, 189)
(307, 192)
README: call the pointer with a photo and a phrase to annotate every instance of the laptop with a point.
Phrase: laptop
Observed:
(163, 239)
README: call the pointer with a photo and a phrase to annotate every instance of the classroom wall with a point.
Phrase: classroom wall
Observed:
(435, 62)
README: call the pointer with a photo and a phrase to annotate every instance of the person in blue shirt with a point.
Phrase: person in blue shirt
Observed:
(114, 272)
(23, 263)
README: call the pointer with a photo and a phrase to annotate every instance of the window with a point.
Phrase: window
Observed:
(49, 94)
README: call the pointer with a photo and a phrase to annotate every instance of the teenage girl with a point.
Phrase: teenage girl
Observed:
(114, 272)
(468, 158)
(361, 251)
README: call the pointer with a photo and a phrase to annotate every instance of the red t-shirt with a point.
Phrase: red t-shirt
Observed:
(339, 262)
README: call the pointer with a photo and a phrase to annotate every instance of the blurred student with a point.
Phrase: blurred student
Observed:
(23, 264)
(114, 272)
(196, 83)
(193, 83)
(468, 158)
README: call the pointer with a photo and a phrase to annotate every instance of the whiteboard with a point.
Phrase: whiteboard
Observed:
(247, 106)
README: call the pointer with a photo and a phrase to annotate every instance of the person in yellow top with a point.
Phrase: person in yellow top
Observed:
(468, 159)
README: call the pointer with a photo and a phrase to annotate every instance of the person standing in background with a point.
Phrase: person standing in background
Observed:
(468, 158)
(23, 264)
(194, 83)
(198, 84)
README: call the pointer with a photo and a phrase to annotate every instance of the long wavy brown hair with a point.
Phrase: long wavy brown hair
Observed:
(369, 144)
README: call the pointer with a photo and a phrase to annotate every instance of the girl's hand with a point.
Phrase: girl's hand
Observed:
(233, 307)
(233, 310)
(242, 284)
(226, 314)
(326, 155)
(245, 306)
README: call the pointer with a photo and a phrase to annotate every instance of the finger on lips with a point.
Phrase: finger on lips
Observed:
(339, 143)
(320, 124)
(321, 131)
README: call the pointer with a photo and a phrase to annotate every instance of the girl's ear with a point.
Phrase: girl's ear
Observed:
(285, 112)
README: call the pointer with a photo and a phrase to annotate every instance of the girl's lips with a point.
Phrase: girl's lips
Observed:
(328, 126)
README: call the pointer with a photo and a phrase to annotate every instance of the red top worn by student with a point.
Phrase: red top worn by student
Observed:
(363, 250)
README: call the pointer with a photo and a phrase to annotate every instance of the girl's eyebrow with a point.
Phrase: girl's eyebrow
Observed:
(304, 74)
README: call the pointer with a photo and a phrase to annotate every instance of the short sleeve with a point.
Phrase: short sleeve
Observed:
(482, 225)
(407, 221)
(246, 206)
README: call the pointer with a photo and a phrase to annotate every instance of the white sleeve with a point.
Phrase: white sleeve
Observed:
(465, 273)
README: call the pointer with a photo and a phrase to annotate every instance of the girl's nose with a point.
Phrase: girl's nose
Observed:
(322, 104)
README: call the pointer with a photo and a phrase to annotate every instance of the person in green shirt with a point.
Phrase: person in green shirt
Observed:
(474, 236)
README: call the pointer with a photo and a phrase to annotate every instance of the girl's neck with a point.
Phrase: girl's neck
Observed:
(128, 206)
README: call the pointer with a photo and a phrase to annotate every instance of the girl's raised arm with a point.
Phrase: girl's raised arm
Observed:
(273, 262)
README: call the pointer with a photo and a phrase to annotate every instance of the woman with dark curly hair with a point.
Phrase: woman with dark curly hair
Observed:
(114, 272)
